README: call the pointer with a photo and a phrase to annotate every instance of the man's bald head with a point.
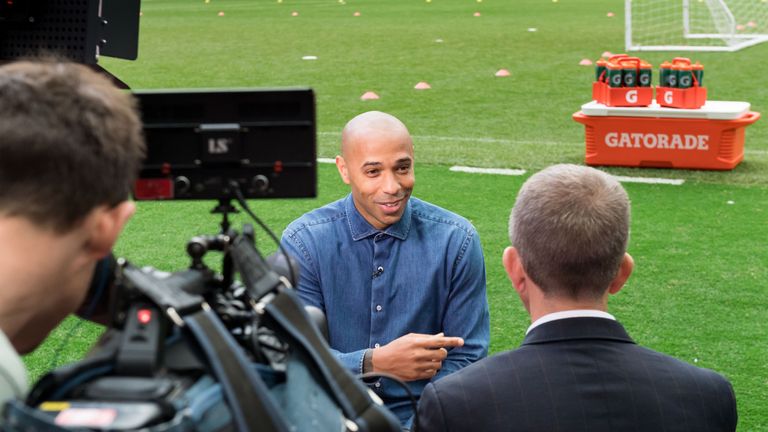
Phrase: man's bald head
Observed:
(377, 162)
(373, 124)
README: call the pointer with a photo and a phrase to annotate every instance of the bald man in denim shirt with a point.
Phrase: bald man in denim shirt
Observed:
(401, 281)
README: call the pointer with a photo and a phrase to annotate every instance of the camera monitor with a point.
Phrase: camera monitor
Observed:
(199, 141)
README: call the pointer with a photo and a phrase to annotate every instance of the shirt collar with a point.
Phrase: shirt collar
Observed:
(576, 313)
(360, 228)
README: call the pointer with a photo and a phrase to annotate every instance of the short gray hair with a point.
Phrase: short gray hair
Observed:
(570, 225)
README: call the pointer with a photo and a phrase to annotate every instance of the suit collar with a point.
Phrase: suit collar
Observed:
(577, 328)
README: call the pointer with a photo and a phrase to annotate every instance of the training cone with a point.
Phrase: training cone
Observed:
(610, 14)
(585, 62)
(294, 13)
(356, 14)
(422, 85)
(477, 14)
(502, 73)
(606, 54)
(369, 95)
(221, 13)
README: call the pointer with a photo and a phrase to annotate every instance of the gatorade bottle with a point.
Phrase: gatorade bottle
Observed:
(645, 74)
(600, 70)
(685, 76)
(698, 74)
(614, 74)
(629, 72)
(665, 70)
(674, 73)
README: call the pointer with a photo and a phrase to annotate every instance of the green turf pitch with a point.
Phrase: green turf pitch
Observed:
(698, 291)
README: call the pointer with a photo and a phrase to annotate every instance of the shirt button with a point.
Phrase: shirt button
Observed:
(377, 385)
(376, 345)
(378, 308)
(380, 269)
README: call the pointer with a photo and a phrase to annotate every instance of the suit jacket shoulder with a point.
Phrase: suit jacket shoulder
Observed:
(580, 374)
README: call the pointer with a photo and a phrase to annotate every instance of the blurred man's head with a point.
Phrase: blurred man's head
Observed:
(570, 229)
(377, 162)
(70, 141)
(70, 147)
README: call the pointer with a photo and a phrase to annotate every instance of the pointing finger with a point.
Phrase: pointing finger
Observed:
(444, 342)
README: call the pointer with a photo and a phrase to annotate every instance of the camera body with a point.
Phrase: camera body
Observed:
(178, 341)
(146, 371)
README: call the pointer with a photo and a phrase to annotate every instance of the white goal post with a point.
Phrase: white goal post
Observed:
(695, 25)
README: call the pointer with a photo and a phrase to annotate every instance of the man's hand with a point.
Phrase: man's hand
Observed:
(414, 356)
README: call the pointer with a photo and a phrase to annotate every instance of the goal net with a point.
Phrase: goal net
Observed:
(695, 25)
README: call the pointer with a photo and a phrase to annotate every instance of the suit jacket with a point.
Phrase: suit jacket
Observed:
(579, 374)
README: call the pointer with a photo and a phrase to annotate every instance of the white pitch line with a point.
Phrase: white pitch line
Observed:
(519, 172)
(649, 180)
(497, 171)
(758, 152)
(326, 160)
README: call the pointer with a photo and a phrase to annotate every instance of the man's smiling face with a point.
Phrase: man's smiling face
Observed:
(377, 162)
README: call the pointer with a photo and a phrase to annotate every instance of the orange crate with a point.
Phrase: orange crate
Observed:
(664, 142)
(694, 97)
(621, 96)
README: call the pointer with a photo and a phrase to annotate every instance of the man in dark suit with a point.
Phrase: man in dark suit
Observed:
(577, 369)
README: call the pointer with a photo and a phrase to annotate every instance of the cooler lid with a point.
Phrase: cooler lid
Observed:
(712, 110)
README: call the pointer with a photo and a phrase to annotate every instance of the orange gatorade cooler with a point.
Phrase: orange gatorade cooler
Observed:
(711, 137)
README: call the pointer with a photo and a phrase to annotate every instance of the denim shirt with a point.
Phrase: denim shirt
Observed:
(424, 274)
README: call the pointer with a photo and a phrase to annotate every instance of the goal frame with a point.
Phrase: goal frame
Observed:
(731, 41)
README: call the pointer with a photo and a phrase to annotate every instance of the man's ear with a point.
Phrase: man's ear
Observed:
(514, 267)
(341, 165)
(625, 269)
(105, 224)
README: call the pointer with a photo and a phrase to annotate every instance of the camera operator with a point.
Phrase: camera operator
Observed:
(70, 148)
